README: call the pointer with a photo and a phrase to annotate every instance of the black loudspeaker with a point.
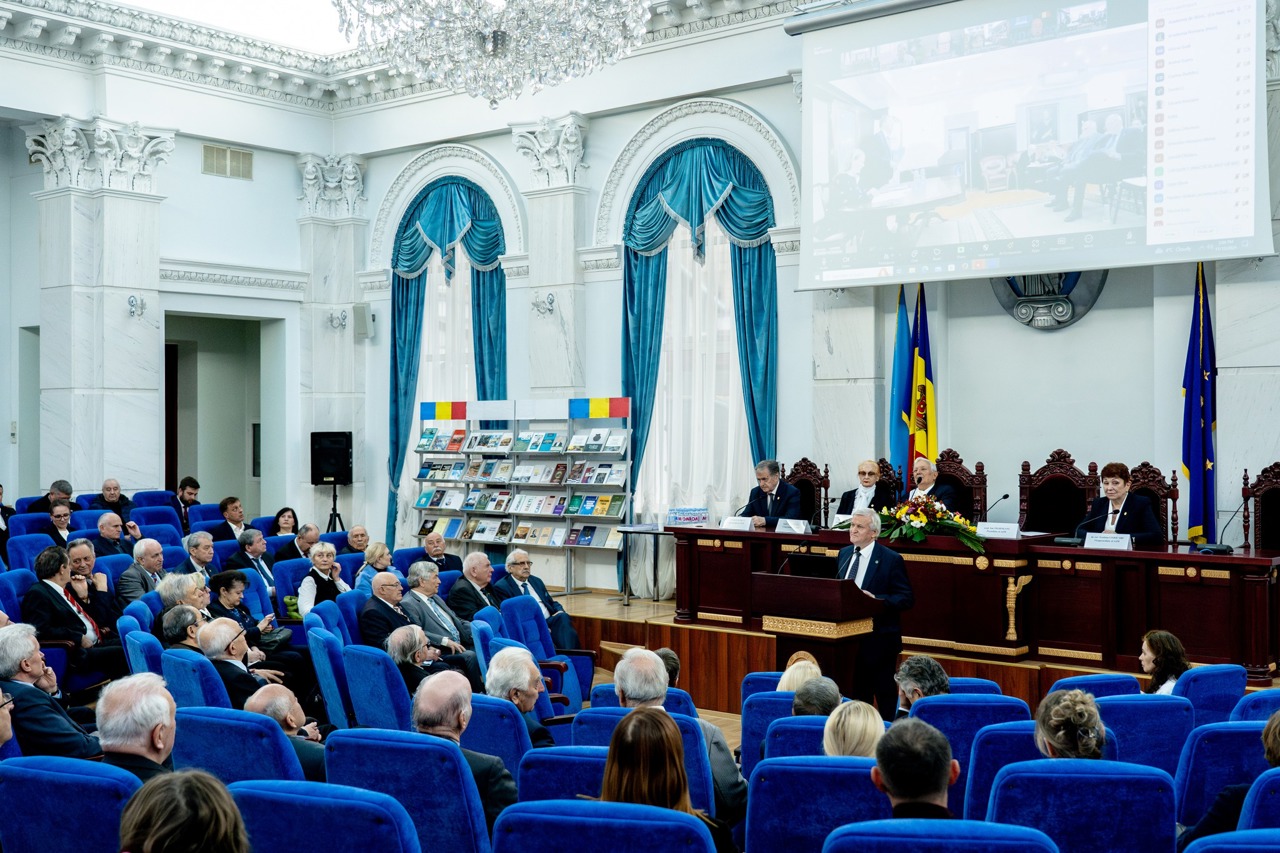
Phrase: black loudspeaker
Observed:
(330, 458)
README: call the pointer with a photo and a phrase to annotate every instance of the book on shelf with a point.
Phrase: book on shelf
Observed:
(615, 506)
(596, 439)
(575, 473)
(522, 532)
(558, 509)
(441, 442)
(453, 499)
(557, 475)
(520, 474)
(502, 472)
(500, 501)
(574, 535)
(428, 436)
(473, 469)
(470, 530)
(428, 525)
(557, 537)
(522, 442)
(424, 499)
(601, 475)
(548, 441)
(504, 441)
(588, 505)
(483, 504)
(504, 530)
(578, 443)
(588, 535)
(588, 472)
(575, 503)
(424, 472)
(452, 528)
(617, 475)
(602, 505)
(617, 441)
(486, 531)
(455, 440)
(544, 535)
(537, 473)
(486, 470)
(532, 537)
(614, 539)
(456, 471)
(535, 441)
(557, 446)
(473, 498)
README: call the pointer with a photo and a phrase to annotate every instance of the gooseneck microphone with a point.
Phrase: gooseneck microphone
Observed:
(1003, 497)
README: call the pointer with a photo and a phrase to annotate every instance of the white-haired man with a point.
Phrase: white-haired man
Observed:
(143, 576)
(42, 726)
(115, 536)
(473, 591)
(520, 580)
(514, 676)
(925, 476)
(136, 725)
(199, 560)
(223, 643)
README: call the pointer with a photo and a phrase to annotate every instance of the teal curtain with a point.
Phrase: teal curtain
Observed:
(448, 212)
(693, 180)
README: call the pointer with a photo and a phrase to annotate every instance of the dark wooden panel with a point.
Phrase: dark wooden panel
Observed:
(713, 662)
(592, 631)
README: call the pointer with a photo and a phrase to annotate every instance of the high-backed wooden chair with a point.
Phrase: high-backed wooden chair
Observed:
(893, 478)
(970, 486)
(814, 486)
(1148, 480)
(1264, 495)
(1056, 497)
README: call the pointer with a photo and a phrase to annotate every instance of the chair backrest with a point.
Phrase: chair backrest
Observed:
(561, 773)
(113, 566)
(349, 565)
(86, 501)
(959, 718)
(814, 487)
(206, 525)
(125, 626)
(234, 745)
(980, 686)
(203, 512)
(26, 523)
(1215, 756)
(173, 556)
(151, 497)
(1100, 684)
(153, 602)
(20, 504)
(143, 652)
(1258, 705)
(403, 558)
(1213, 690)
(1149, 481)
(522, 617)
(447, 580)
(224, 548)
(953, 836)
(162, 533)
(329, 614)
(481, 636)
(349, 605)
(788, 736)
(13, 586)
(677, 702)
(99, 792)
(275, 543)
(544, 827)
(1046, 794)
(1056, 497)
(192, 680)
(262, 522)
(758, 711)
(139, 610)
(331, 674)
(257, 595)
(338, 539)
(499, 572)
(797, 802)
(86, 519)
(994, 746)
(759, 682)
(493, 618)
(496, 728)
(970, 486)
(24, 548)
(378, 693)
(334, 818)
(1151, 729)
(149, 515)
(1261, 808)
(288, 574)
(594, 726)
(428, 775)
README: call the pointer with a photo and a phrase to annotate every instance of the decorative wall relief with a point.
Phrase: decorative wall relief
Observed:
(1052, 301)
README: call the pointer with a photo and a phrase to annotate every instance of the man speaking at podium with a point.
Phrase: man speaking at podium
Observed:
(772, 499)
(881, 574)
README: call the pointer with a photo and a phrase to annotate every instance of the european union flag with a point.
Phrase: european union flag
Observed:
(1199, 419)
(900, 408)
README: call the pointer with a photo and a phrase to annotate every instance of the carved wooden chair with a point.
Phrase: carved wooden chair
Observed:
(814, 486)
(970, 486)
(1056, 497)
(1148, 480)
(1264, 495)
(893, 478)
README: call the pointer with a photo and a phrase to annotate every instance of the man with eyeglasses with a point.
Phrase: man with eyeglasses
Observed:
(443, 628)
(42, 726)
(383, 614)
(52, 609)
(58, 490)
(91, 589)
(223, 643)
(520, 580)
(871, 493)
(180, 625)
(514, 676)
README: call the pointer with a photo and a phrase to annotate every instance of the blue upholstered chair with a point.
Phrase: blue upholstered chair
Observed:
(1244, 841)
(91, 797)
(338, 539)
(481, 636)
(86, 519)
(492, 617)
(447, 580)
(262, 522)
(224, 549)
(523, 619)
(758, 711)
(1262, 806)
(332, 818)
(1258, 705)
(349, 605)
(349, 566)
(794, 736)
(148, 515)
(1215, 756)
(84, 501)
(328, 613)
(496, 728)
(151, 497)
(207, 525)
(937, 836)
(981, 686)
(797, 802)
(288, 574)
(1087, 805)
(959, 718)
(143, 652)
(234, 745)
(24, 548)
(20, 504)
(275, 543)
(192, 680)
(113, 566)
(203, 512)
(403, 558)
(125, 626)
(1151, 729)
(1213, 690)
(141, 613)
(677, 702)
(544, 827)
(594, 726)
(759, 682)
(331, 675)
(561, 773)
(162, 533)
(378, 693)
(9, 749)
(27, 523)
(428, 775)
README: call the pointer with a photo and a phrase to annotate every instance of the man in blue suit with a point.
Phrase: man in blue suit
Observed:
(520, 580)
(880, 574)
(41, 725)
(773, 498)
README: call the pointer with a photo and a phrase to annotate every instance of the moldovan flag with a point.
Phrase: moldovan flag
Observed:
(922, 425)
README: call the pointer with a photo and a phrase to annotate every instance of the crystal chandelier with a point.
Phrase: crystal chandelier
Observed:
(493, 49)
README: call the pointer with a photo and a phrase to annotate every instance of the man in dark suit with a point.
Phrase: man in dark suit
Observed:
(871, 492)
(914, 769)
(111, 498)
(223, 643)
(925, 476)
(280, 704)
(199, 560)
(114, 536)
(136, 725)
(357, 540)
(141, 577)
(188, 495)
(253, 556)
(233, 523)
(442, 707)
(58, 490)
(880, 574)
(51, 609)
(382, 613)
(514, 676)
(300, 545)
(89, 589)
(773, 498)
(443, 629)
(433, 544)
(520, 580)
(414, 656)
(473, 592)
(41, 725)
(1121, 511)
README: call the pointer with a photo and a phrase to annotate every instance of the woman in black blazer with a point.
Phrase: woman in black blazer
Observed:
(1120, 511)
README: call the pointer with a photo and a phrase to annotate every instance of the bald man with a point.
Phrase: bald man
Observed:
(871, 493)
(280, 704)
(382, 613)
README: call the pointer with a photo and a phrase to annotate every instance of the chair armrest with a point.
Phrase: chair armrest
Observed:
(558, 720)
(577, 652)
(557, 699)
(558, 665)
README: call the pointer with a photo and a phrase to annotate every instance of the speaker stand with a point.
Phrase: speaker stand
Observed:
(335, 517)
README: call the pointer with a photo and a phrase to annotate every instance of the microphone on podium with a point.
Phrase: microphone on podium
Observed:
(1003, 497)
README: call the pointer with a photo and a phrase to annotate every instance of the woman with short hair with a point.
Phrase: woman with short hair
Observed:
(1122, 511)
(854, 728)
(377, 558)
(324, 582)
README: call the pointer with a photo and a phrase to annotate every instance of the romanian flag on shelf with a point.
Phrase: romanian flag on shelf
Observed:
(600, 407)
(1199, 419)
(442, 411)
(922, 416)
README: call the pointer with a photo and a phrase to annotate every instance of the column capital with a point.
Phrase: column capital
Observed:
(554, 148)
(332, 186)
(98, 154)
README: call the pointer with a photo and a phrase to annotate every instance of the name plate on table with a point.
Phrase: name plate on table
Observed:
(793, 525)
(839, 519)
(999, 530)
(1109, 541)
(736, 522)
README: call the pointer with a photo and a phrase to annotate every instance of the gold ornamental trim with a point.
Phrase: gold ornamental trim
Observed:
(938, 558)
(1010, 564)
(708, 543)
(1216, 574)
(982, 563)
(991, 650)
(1171, 571)
(792, 549)
(1070, 653)
(1011, 603)
(1088, 567)
(1191, 571)
(732, 544)
(1048, 564)
(827, 552)
(814, 628)
(720, 617)
(928, 641)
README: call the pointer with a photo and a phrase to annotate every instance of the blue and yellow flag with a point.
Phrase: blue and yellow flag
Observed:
(1199, 420)
(900, 403)
(922, 416)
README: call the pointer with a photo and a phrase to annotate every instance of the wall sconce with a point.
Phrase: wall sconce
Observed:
(137, 305)
(546, 305)
(338, 321)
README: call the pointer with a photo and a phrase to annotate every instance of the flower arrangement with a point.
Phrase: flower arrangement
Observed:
(926, 516)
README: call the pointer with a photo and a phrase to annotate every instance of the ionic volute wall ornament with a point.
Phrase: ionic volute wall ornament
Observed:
(1049, 301)
(332, 186)
(554, 148)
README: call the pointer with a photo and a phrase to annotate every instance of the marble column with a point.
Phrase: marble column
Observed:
(333, 233)
(101, 335)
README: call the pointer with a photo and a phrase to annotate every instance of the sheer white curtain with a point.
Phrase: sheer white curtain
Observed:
(447, 371)
(698, 453)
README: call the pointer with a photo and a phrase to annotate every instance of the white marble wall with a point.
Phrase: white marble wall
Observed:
(553, 303)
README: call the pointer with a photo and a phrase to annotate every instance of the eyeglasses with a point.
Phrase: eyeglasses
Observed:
(61, 515)
(521, 563)
(5, 699)
(867, 473)
(233, 640)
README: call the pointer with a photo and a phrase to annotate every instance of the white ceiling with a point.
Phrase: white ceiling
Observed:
(310, 25)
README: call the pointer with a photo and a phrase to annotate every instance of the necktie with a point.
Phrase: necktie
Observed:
(769, 505)
(524, 587)
(851, 571)
(443, 620)
(155, 579)
(80, 610)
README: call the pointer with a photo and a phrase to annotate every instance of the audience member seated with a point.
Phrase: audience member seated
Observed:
(90, 590)
(1224, 814)
(772, 498)
(1117, 153)
(180, 625)
(442, 707)
(41, 725)
(253, 557)
(798, 672)
(222, 642)
(188, 811)
(110, 498)
(645, 766)
(513, 675)
(854, 728)
(640, 680)
(444, 629)
(175, 589)
(520, 580)
(286, 521)
(300, 546)
(187, 496)
(199, 560)
(232, 520)
(925, 476)
(672, 662)
(1164, 659)
(52, 610)
(6, 512)
(473, 592)
(143, 575)
(433, 544)
(919, 676)
(6, 717)
(59, 528)
(59, 490)
(323, 582)
(817, 697)
(414, 655)
(382, 613)
(280, 704)
(136, 725)
(870, 493)
(357, 540)
(914, 769)
(115, 536)
(227, 601)
(377, 558)
(1068, 726)
(1119, 511)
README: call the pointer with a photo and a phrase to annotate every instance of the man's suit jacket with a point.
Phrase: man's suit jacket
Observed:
(882, 498)
(540, 735)
(436, 632)
(144, 768)
(497, 788)
(310, 756)
(6, 512)
(509, 587)
(730, 787)
(1137, 518)
(104, 547)
(940, 491)
(53, 617)
(181, 509)
(378, 620)
(223, 531)
(102, 607)
(447, 562)
(787, 504)
(41, 504)
(240, 561)
(887, 580)
(123, 507)
(240, 684)
(133, 584)
(187, 567)
(289, 551)
(465, 600)
(43, 727)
